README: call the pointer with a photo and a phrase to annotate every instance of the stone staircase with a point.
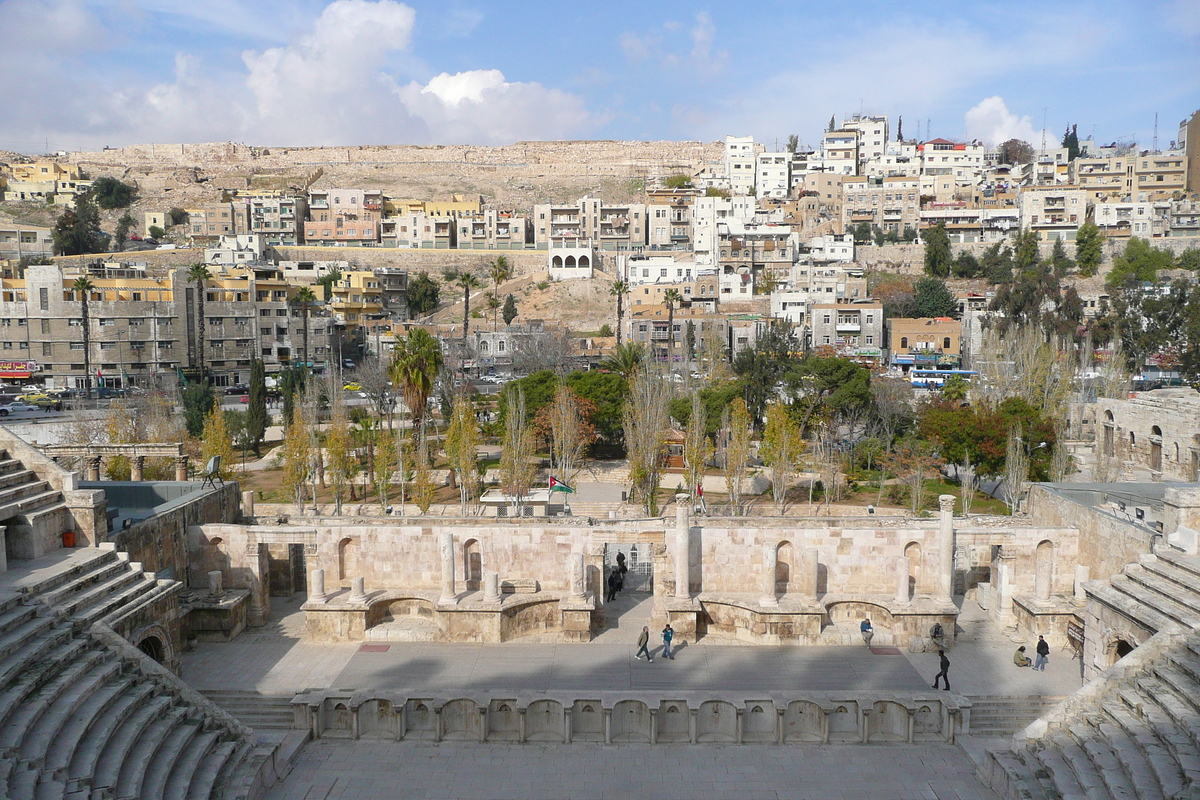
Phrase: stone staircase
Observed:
(1004, 715)
(1161, 591)
(23, 493)
(85, 715)
(259, 711)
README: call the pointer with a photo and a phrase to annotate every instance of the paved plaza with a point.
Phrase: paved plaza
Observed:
(331, 770)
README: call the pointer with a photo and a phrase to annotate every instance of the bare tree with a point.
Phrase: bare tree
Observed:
(646, 426)
(891, 407)
(539, 350)
(697, 449)
(375, 379)
(1016, 468)
(968, 484)
(567, 424)
(517, 470)
(737, 451)
(781, 450)
(913, 462)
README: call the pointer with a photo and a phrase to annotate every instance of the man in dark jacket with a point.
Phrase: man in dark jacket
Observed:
(644, 645)
(1043, 654)
(943, 675)
(612, 586)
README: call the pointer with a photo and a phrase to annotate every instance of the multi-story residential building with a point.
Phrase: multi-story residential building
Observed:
(18, 241)
(831, 247)
(493, 230)
(458, 205)
(419, 231)
(652, 328)
(840, 151)
(669, 218)
(278, 217)
(46, 182)
(854, 330)
(1050, 167)
(890, 204)
(739, 163)
(961, 160)
(1188, 141)
(1185, 218)
(393, 291)
(606, 226)
(899, 160)
(231, 249)
(307, 273)
(665, 269)
(208, 223)
(702, 291)
(1147, 219)
(826, 188)
(1104, 178)
(708, 214)
(355, 300)
(926, 342)
(1159, 176)
(1053, 212)
(872, 138)
(772, 175)
(343, 218)
(763, 251)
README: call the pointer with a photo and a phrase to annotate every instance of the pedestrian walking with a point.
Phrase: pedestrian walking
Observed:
(1043, 654)
(668, 634)
(867, 631)
(612, 586)
(944, 674)
(644, 645)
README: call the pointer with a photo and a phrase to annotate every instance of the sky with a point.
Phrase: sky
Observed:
(84, 75)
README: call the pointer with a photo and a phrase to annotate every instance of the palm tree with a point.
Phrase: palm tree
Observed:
(416, 360)
(304, 298)
(671, 297)
(500, 271)
(83, 287)
(618, 290)
(467, 281)
(199, 273)
(626, 360)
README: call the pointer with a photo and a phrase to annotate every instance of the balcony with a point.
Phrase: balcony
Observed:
(372, 206)
(846, 326)
(319, 204)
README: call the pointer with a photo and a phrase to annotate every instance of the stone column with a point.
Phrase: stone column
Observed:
(491, 587)
(215, 583)
(808, 573)
(449, 595)
(946, 549)
(1082, 574)
(92, 468)
(181, 468)
(576, 577)
(770, 558)
(248, 504)
(683, 550)
(358, 592)
(902, 570)
(316, 586)
(1041, 580)
(137, 468)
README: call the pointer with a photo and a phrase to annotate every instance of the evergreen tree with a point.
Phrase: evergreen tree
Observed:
(77, 231)
(257, 418)
(932, 298)
(1060, 261)
(111, 193)
(510, 310)
(832, 124)
(198, 400)
(1088, 243)
(937, 252)
(997, 263)
(1070, 141)
(124, 225)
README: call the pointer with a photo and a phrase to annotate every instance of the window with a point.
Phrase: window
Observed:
(946, 343)
(108, 345)
(44, 299)
(76, 345)
(281, 312)
(46, 327)
(106, 323)
(264, 312)
(870, 339)
(904, 342)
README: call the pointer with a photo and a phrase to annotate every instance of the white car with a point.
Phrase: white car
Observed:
(16, 408)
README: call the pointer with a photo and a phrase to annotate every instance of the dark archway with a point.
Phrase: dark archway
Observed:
(153, 647)
(1122, 648)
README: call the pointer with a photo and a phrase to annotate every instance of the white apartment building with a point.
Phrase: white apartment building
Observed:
(1051, 166)
(773, 175)
(739, 164)
(231, 249)
(1145, 219)
(669, 218)
(873, 135)
(608, 226)
(832, 247)
(707, 213)
(1053, 212)
(840, 152)
(647, 269)
(964, 161)
(899, 160)
(890, 204)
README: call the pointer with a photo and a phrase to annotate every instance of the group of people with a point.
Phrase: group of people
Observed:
(1043, 656)
(668, 636)
(616, 578)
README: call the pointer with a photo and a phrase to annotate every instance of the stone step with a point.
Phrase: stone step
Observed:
(149, 779)
(1185, 689)
(184, 767)
(254, 709)
(1184, 596)
(32, 505)
(1187, 579)
(1051, 759)
(37, 741)
(1180, 713)
(82, 760)
(227, 775)
(1105, 761)
(158, 588)
(1188, 663)
(17, 616)
(1129, 606)
(38, 703)
(101, 701)
(95, 593)
(1134, 761)
(84, 560)
(19, 644)
(21, 491)
(1020, 779)
(103, 572)
(134, 744)
(1180, 561)
(205, 775)
(1086, 774)
(1148, 708)
(13, 473)
(46, 660)
(243, 777)
(103, 770)
(110, 604)
(1164, 604)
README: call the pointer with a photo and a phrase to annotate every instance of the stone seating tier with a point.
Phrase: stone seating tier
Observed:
(84, 714)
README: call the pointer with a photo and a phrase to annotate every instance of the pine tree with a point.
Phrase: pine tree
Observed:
(510, 310)
(1088, 243)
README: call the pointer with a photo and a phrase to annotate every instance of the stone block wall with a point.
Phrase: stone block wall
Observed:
(1106, 544)
(160, 542)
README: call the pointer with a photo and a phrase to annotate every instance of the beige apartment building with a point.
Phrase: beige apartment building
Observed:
(1103, 179)
(1053, 212)
(208, 223)
(493, 230)
(1159, 176)
(606, 226)
(890, 204)
(669, 218)
(854, 330)
(278, 217)
(702, 290)
(343, 217)
(925, 342)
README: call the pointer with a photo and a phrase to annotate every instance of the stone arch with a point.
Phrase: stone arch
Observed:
(803, 721)
(587, 721)
(674, 723)
(472, 565)
(1121, 648)
(784, 567)
(716, 721)
(888, 722)
(461, 720)
(155, 641)
(556, 262)
(583, 262)
(1156, 448)
(153, 647)
(570, 263)
(758, 723)
(347, 558)
(912, 551)
(630, 722)
(1043, 560)
(544, 721)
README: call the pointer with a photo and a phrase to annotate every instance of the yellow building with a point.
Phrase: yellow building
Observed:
(458, 205)
(356, 299)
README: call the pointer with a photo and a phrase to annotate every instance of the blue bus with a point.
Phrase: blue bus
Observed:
(935, 378)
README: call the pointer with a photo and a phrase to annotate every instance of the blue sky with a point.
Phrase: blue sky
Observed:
(114, 72)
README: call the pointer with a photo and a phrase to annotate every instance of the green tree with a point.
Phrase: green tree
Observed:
(510, 310)
(198, 401)
(826, 387)
(793, 142)
(199, 274)
(1026, 255)
(997, 263)
(1140, 261)
(671, 298)
(932, 298)
(619, 289)
(832, 124)
(156, 232)
(83, 289)
(605, 331)
(1070, 141)
(304, 298)
(177, 216)
(678, 181)
(499, 271)
(1016, 151)
(124, 226)
(291, 384)
(607, 393)
(762, 368)
(782, 448)
(423, 295)
(937, 252)
(467, 281)
(625, 360)
(77, 231)
(297, 461)
(257, 418)
(955, 388)
(416, 360)
(689, 340)
(462, 441)
(966, 265)
(1060, 262)
(328, 281)
(1189, 259)
(111, 193)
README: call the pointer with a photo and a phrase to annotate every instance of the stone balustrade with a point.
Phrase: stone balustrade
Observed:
(612, 718)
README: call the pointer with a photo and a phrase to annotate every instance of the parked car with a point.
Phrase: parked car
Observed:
(16, 408)
(240, 388)
(352, 387)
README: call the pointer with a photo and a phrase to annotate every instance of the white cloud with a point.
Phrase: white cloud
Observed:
(704, 35)
(992, 123)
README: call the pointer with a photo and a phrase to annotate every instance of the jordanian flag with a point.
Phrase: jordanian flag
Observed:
(558, 486)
